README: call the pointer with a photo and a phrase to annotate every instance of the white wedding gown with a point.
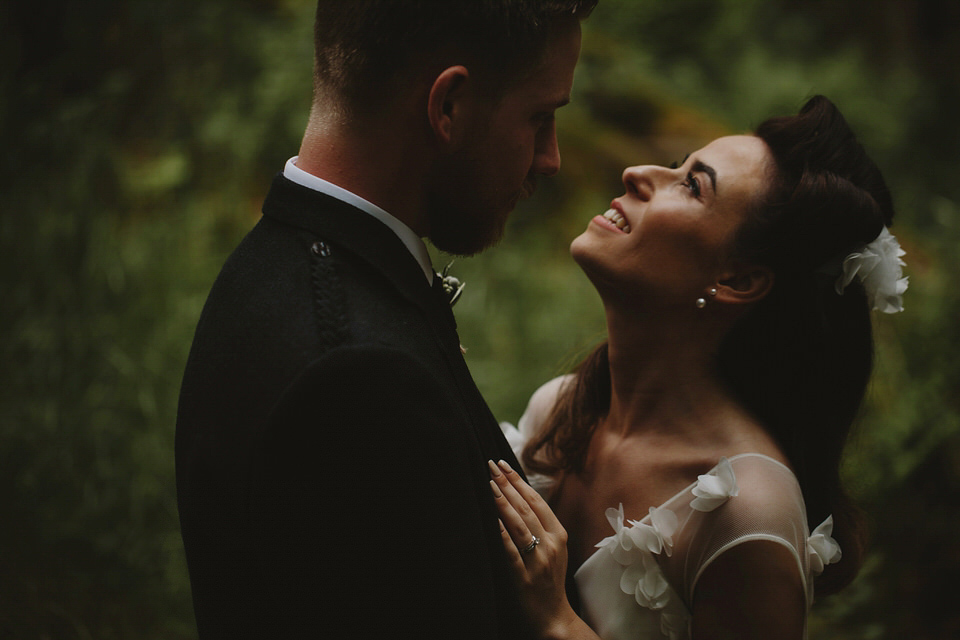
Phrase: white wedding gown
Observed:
(639, 582)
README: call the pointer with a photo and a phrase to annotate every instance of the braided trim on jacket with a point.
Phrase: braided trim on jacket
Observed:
(329, 297)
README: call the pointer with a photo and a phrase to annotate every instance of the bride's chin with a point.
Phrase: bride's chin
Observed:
(580, 248)
(590, 255)
(588, 263)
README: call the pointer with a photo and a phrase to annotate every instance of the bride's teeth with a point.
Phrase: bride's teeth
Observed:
(617, 218)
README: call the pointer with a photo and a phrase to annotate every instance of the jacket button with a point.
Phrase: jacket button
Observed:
(321, 249)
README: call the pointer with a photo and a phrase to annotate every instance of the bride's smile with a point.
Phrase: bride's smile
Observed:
(614, 218)
(670, 232)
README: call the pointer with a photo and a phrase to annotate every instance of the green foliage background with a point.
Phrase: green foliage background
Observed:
(139, 139)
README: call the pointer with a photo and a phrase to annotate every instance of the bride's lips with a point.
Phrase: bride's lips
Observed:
(613, 219)
(600, 221)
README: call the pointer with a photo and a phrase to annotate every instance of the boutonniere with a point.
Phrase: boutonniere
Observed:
(452, 287)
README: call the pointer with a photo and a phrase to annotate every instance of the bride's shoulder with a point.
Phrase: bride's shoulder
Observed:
(542, 402)
(763, 492)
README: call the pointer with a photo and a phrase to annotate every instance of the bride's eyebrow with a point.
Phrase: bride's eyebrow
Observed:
(700, 167)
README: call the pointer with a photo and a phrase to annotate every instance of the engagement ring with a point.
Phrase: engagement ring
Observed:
(530, 547)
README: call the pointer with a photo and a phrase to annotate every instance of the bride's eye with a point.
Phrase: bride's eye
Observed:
(693, 184)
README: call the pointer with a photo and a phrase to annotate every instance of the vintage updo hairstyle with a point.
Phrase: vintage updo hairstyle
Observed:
(800, 359)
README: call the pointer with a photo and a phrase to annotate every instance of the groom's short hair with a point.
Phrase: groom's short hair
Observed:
(367, 50)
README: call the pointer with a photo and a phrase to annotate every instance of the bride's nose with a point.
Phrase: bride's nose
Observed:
(641, 181)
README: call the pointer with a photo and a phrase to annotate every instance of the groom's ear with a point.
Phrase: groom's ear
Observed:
(446, 102)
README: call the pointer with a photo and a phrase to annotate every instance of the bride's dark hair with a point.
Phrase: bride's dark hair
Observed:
(800, 360)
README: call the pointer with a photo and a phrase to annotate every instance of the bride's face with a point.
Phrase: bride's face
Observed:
(667, 238)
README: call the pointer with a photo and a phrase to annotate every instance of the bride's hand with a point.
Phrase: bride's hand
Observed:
(536, 545)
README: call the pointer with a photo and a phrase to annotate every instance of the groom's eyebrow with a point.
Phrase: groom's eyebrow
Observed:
(700, 167)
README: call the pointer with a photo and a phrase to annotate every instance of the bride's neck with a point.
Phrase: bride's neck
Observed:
(662, 372)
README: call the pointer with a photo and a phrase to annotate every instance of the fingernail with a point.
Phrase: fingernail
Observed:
(494, 470)
(506, 467)
(496, 489)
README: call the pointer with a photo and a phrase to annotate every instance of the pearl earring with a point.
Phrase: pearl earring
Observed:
(702, 302)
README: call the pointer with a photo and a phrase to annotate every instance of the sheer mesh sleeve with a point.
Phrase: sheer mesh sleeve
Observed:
(532, 420)
(767, 505)
(540, 405)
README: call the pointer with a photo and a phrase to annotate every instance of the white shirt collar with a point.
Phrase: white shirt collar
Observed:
(410, 240)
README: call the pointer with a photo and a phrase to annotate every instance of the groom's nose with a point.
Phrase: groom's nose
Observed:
(546, 160)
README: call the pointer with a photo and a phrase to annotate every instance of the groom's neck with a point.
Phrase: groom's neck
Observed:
(379, 160)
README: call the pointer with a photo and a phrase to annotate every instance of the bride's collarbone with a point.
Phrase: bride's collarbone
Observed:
(638, 477)
(643, 461)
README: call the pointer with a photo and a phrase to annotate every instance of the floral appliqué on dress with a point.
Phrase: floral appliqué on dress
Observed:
(637, 546)
(822, 549)
(715, 487)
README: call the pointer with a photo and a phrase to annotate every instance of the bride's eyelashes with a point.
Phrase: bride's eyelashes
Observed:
(693, 184)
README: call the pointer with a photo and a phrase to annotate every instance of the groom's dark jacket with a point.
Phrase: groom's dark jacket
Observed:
(331, 444)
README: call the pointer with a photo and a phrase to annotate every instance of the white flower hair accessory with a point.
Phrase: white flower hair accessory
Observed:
(878, 266)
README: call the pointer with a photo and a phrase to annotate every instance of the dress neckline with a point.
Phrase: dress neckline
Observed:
(646, 518)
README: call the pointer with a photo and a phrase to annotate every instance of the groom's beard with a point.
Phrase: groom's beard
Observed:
(468, 228)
